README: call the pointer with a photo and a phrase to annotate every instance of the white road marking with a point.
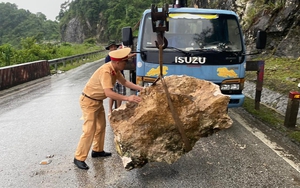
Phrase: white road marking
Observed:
(261, 136)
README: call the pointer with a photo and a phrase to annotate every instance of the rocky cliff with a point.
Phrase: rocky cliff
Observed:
(281, 21)
(279, 18)
(77, 30)
(73, 32)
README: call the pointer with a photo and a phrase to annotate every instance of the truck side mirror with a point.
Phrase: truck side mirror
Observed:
(127, 38)
(261, 39)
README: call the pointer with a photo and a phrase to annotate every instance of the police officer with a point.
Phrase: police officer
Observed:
(98, 87)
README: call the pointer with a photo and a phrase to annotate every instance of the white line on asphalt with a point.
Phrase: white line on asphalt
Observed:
(260, 135)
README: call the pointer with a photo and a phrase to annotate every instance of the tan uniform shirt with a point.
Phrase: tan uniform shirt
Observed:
(104, 77)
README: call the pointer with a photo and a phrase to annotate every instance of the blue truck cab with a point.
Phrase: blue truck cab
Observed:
(203, 43)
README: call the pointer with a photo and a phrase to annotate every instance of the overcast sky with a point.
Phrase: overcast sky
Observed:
(50, 8)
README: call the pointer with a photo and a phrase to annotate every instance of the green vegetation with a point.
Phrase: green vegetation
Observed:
(103, 19)
(265, 114)
(295, 135)
(17, 24)
(72, 65)
(109, 16)
(32, 51)
(259, 7)
(271, 118)
(27, 37)
(281, 75)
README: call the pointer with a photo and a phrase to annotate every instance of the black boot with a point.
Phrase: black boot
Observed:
(81, 164)
(100, 154)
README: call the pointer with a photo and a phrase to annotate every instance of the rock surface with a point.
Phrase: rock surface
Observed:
(146, 132)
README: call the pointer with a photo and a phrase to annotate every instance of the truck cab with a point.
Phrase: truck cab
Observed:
(203, 43)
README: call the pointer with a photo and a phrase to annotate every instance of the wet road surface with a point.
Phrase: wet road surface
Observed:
(42, 118)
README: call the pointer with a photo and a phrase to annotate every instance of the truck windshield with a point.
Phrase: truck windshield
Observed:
(190, 32)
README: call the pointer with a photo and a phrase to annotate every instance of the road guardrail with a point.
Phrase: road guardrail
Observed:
(20, 73)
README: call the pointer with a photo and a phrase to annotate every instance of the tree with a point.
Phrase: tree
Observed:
(19, 23)
(6, 54)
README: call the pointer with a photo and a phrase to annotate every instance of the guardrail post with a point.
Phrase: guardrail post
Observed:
(258, 66)
(259, 83)
(292, 109)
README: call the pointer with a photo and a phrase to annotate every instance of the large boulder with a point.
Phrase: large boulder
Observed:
(146, 132)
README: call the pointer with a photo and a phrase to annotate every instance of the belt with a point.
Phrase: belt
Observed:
(90, 97)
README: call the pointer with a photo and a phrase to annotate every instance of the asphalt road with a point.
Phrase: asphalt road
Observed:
(41, 119)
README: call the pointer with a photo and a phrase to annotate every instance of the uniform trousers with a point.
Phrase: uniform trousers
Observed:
(93, 128)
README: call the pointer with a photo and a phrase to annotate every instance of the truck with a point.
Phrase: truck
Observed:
(204, 43)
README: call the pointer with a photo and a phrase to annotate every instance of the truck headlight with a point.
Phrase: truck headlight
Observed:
(230, 86)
